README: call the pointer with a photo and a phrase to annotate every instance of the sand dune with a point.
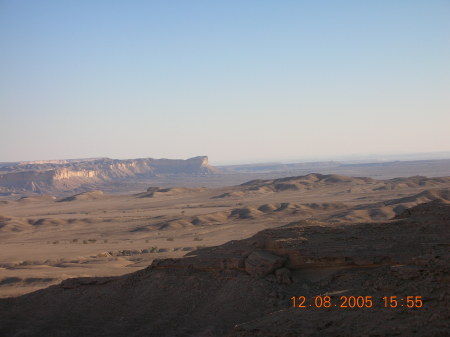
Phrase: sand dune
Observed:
(424, 196)
(13, 224)
(316, 181)
(391, 208)
(369, 214)
(300, 183)
(37, 198)
(91, 195)
(413, 182)
(247, 213)
(364, 212)
(153, 192)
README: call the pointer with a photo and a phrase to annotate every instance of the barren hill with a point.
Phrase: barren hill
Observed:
(245, 287)
(322, 181)
(85, 174)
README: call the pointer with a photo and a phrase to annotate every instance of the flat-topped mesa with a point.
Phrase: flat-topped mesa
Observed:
(65, 175)
(196, 165)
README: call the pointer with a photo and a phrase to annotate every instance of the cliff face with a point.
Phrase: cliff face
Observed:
(66, 175)
(196, 165)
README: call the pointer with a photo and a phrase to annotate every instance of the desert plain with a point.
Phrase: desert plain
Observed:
(234, 256)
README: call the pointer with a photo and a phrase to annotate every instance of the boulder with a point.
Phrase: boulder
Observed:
(262, 263)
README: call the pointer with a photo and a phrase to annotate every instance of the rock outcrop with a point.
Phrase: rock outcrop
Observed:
(262, 263)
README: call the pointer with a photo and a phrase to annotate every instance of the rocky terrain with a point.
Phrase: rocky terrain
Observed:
(227, 261)
(64, 178)
(84, 174)
(244, 287)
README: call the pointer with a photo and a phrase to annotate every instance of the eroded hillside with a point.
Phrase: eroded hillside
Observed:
(245, 288)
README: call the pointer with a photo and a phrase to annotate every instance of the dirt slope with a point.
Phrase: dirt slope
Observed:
(243, 288)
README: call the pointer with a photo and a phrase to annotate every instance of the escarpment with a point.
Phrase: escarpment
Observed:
(76, 175)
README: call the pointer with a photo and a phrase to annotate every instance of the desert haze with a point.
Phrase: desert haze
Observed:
(323, 209)
(150, 247)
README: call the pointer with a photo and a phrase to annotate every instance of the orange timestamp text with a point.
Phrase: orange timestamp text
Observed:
(357, 302)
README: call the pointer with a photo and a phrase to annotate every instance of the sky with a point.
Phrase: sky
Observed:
(238, 81)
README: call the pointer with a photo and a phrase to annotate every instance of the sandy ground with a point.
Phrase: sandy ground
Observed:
(44, 240)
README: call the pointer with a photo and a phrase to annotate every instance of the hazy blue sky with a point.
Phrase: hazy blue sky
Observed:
(239, 81)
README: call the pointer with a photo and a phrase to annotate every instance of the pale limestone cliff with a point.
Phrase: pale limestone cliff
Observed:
(65, 175)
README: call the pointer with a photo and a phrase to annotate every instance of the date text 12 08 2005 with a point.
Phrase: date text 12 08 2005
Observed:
(357, 302)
